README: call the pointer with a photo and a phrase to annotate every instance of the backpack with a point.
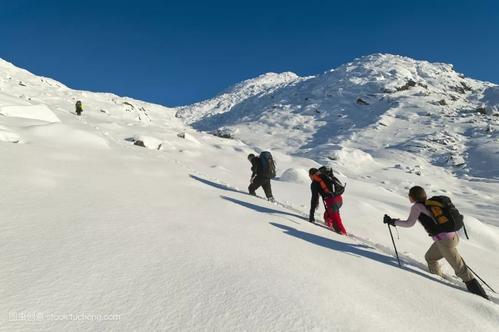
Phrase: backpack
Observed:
(337, 188)
(267, 165)
(445, 214)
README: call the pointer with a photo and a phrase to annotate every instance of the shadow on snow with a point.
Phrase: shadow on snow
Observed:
(262, 209)
(353, 249)
(216, 185)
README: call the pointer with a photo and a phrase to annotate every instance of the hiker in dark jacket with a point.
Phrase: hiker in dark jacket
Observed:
(320, 186)
(78, 107)
(445, 241)
(258, 179)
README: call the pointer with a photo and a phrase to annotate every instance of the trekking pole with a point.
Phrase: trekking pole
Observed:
(394, 246)
(465, 231)
(479, 277)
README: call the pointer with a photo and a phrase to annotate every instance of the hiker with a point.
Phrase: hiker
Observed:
(262, 171)
(78, 107)
(442, 228)
(330, 192)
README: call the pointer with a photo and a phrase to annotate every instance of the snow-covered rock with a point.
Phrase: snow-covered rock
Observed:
(148, 142)
(295, 175)
(58, 134)
(34, 112)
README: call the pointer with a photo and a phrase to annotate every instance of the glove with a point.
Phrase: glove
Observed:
(388, 220)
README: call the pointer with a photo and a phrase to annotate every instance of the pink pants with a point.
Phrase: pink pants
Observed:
(332, 215)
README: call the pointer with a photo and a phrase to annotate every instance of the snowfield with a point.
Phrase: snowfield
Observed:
(100, 233)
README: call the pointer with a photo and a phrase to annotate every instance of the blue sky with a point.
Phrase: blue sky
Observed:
(179, 52)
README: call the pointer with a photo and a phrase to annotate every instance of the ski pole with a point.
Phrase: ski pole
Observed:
(479, 277)
(394, 246)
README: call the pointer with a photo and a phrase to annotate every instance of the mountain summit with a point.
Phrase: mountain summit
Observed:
(373, 103)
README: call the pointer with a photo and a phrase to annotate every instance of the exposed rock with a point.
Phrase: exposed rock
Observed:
(361, 101)
(224, 133)
(482, 110)
(139, 143)
(458, 89)
(423, 85)
(407, 86)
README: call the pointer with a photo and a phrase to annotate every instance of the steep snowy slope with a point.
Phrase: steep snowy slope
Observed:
(260, 86)
(407, 105)
(99, 234)
(20, 88)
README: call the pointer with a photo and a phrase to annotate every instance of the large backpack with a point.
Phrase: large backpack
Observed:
(267, 165)
(445, 214)
(336, 187)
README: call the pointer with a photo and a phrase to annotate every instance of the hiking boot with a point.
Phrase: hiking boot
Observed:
(271, 199)
(474, 287)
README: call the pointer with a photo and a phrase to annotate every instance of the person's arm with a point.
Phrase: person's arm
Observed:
(254, 167)
(413, 217)
(314, 202)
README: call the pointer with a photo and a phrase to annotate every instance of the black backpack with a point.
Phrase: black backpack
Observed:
(337, 188)
(445, 214)
(267, 165)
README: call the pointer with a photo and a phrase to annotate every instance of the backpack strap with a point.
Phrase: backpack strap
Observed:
(317, 178)
(430, 203)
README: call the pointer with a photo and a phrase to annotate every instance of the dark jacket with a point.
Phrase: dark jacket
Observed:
(314, 202)
(78, 107)
(316, 191)
(255, 167)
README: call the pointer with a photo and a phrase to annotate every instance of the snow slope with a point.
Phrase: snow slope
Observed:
(407, 105)
(97, 233)
(379, 111)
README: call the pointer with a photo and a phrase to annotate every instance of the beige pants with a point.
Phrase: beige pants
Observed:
(447, 249)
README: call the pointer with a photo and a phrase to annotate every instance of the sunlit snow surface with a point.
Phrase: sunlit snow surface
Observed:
(97, 233)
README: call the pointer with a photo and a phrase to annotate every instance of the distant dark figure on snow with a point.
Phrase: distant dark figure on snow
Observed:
(262, 171)
(441, 220)
(325, 184)
(78, 107)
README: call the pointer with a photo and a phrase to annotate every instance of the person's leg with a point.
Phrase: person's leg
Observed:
(327, 214)
(257, 182)
(333, 210)
(448, 249)
(432, 256)
(267, 188)
(328, 220)
(338, 223)
(337, 203)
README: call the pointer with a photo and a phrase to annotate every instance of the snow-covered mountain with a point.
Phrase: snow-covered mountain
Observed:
(127, 219)
(373, 103)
